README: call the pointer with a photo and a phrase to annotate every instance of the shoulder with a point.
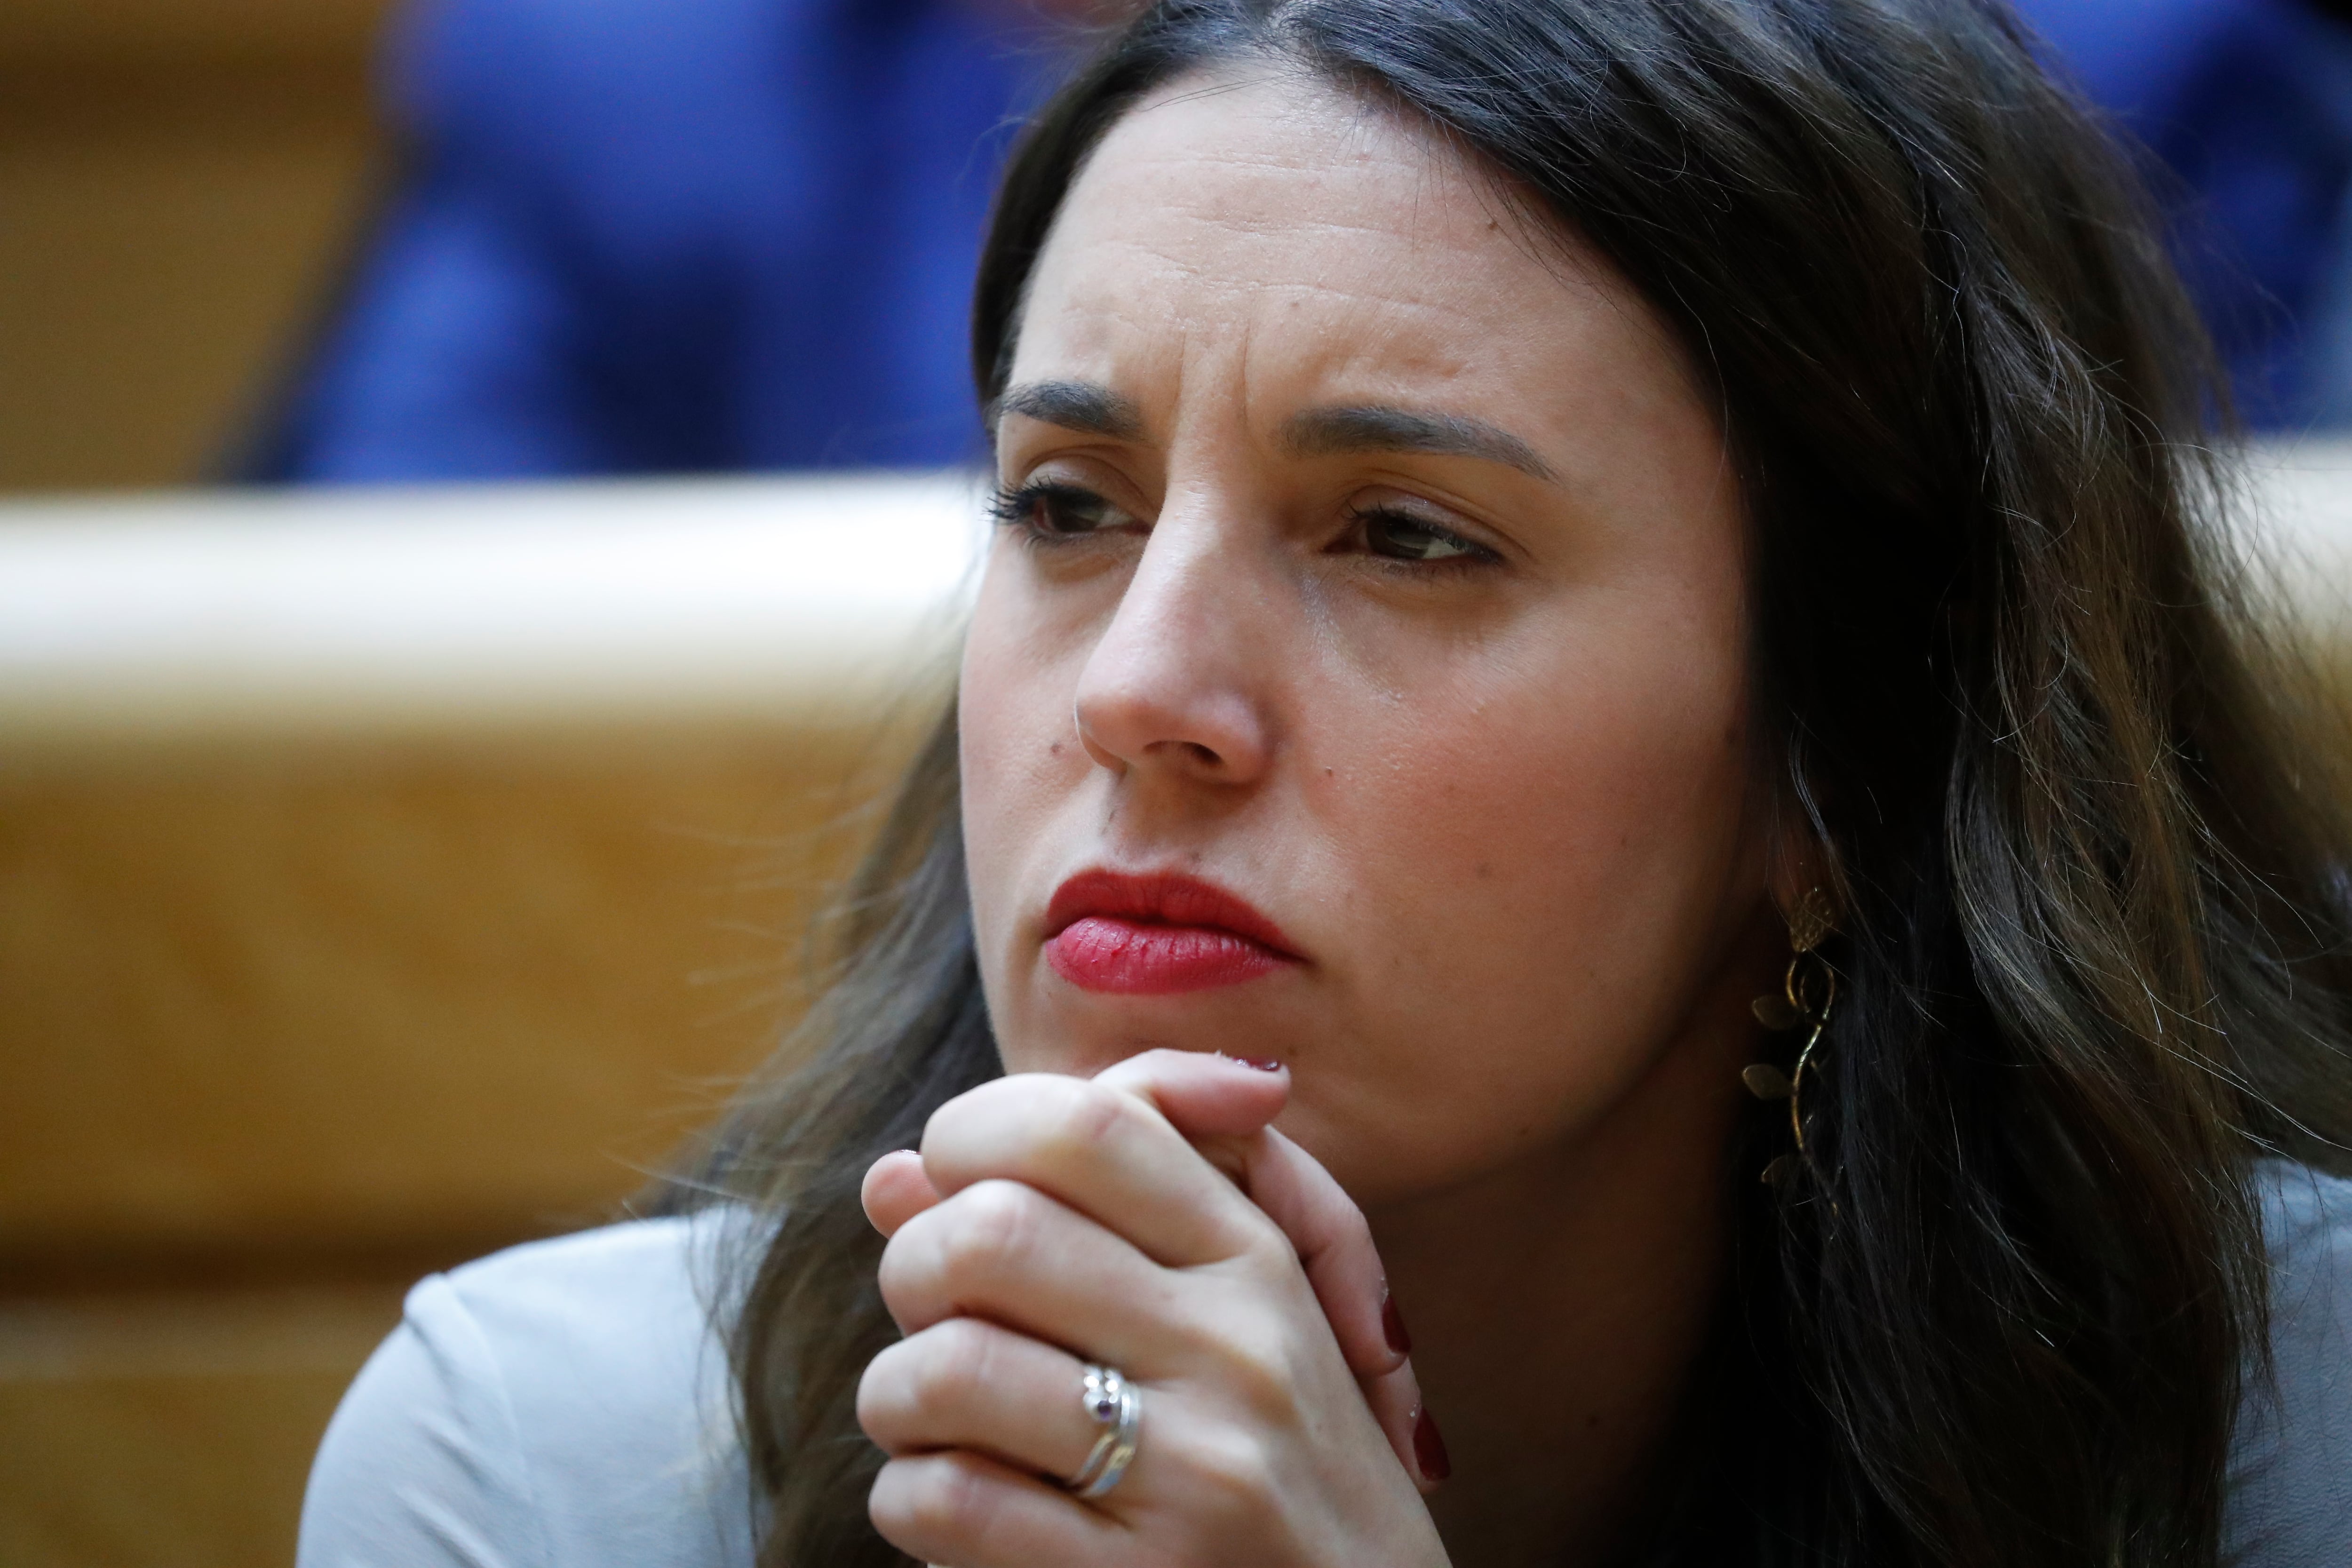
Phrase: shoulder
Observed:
(563, 1404)
(2291, 1475)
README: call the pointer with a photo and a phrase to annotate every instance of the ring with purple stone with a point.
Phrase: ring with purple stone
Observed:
(1114, 1403)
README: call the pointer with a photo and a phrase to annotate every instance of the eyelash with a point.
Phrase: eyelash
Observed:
(1016, 507)
(1473, 557)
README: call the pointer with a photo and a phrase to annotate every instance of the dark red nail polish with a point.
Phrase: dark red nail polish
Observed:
(1393, 1325)
(1429, 1448)
(1261, 1066)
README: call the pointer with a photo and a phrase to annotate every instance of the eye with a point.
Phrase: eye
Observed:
(1051, 510)
(1399, 537)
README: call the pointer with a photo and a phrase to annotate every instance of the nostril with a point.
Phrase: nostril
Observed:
(1194, 755)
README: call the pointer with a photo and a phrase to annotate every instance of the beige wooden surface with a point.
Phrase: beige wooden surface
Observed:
(385, 879)
(283, 1002)
(179, 182)
(174, 1427)
(281, 1029)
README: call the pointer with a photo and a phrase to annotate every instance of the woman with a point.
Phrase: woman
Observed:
(1617, 593)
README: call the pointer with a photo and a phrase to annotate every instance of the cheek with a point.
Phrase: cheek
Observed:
(995, 714)
(1593, 743)
(1545, 880)
(1596, 828)
(1018, 756)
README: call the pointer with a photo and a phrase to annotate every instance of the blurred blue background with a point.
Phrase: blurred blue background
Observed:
(665, 235)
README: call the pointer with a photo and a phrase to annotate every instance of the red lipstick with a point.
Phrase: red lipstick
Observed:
(1157, 936)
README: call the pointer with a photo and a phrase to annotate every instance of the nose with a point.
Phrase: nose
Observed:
(1177, 685)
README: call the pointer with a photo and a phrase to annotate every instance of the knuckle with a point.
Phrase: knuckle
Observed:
(1085, 1117)
(953, 1120)
(995, 1222)
(912, 1260)
(1270, 1254)
(880, 1397)
(947, 1501)
(893, 1503)
(1232, 1470)
(1260, 1377)
(955, 1366)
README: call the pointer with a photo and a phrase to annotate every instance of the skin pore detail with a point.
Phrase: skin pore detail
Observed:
(1370, 565)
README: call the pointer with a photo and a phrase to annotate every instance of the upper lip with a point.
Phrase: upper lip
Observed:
(1161, 898)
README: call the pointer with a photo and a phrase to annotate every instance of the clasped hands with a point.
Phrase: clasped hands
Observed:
(1150, 1219)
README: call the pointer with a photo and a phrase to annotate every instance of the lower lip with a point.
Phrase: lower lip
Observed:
(1130, 958)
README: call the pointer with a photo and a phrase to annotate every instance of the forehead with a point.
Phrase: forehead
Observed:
(1262, 222)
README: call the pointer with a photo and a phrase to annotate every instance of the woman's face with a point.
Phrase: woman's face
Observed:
(1372, 561)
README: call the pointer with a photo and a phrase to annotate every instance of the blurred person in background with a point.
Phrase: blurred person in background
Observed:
(2250, 104)
(682, 235)
(670, 235)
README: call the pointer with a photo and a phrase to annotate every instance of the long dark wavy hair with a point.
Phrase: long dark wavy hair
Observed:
(2092, 944)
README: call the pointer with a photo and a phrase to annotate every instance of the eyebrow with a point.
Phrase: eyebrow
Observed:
(1379, 427)
(1097, 410)
(1074, 405)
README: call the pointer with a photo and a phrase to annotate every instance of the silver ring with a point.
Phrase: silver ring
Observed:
(1113, 1403)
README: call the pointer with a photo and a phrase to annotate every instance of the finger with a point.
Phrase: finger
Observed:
(896, 1191)
(1005, 1251)
(967, 1384)
(1335, 1247)
(1336, 1250)
(1104, 1150)
(1203, 1097)
(977, 1513)
(1204, 1094)
(1395, 1402)
(1218, 1102)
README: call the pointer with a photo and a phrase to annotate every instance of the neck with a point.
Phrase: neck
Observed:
(1557, 1307)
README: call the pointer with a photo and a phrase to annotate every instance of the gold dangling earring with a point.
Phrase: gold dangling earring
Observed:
(1803, 1001)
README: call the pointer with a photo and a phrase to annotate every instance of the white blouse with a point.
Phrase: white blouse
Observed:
(567, 1404)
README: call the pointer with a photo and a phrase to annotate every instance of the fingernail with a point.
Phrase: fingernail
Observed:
(1429, 1448)
(1393, 1325)
(1269, 1066)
